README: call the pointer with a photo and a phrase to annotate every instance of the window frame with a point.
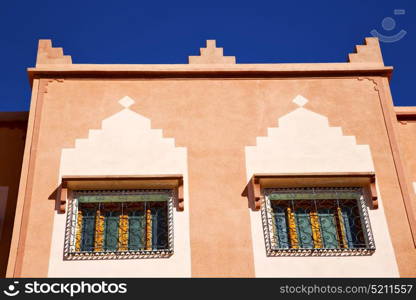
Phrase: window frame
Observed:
(270, 238)
(70, 252)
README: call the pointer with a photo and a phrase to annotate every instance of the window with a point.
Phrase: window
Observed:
(316, 221)
(120, 224)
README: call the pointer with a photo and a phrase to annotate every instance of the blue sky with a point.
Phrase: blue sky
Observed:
(158, 32)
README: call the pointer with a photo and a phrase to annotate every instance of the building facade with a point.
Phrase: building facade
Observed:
(215, 169)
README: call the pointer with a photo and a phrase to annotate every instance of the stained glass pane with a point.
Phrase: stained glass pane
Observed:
(137, 223)
(111, 231)
(113, 222)
(88, 230)
(317, 218)
(313, 195)
(94, 198)
(348, 223)
(328, 228)
(159, 226)
(281, 232)
(353, 227)
(303, 227)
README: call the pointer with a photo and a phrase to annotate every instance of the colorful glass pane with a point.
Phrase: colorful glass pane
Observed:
(111, 223)
(310, 219)
(137, 223)
(88, 230)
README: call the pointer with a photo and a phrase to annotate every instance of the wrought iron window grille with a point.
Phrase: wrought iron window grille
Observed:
(119, 224)
(316, 222)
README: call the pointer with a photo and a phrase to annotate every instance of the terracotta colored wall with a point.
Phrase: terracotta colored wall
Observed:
(12, 141)
(407, 146)
(125, 144)
(304, 142)
(407, 142)
(215, 119)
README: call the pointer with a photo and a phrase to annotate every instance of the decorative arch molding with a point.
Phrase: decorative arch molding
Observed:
(306, 150)
(304, 142)
(124, 154)
(125, 149)
(125, 145)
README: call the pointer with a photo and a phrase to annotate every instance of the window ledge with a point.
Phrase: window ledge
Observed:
(253, 190)
(174, 181)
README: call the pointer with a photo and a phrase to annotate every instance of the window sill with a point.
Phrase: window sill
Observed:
(320, 252)
(141, 254)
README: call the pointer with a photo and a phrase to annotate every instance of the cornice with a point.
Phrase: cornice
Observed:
(209, 71)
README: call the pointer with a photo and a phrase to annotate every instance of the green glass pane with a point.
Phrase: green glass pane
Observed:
(328, 228)
(122, 198)
(281, 228)
(348, 222)
(88, 230)
(304, 228)
(313, 196)
(111, 222)
(137, 224)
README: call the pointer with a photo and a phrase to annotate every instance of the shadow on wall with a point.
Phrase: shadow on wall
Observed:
(13, 127)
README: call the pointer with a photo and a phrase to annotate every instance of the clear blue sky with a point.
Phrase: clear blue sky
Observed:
(153, 32)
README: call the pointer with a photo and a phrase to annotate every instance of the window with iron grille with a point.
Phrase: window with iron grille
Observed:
(317, 221)
(120, 224)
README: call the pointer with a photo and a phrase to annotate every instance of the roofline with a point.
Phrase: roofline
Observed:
(209, 70)
(405, 113)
